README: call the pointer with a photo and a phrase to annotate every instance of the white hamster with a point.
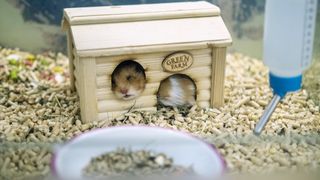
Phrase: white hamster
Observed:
(177, 90)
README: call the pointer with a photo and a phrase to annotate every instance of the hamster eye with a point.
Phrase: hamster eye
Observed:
(129, 78)
(113, 82)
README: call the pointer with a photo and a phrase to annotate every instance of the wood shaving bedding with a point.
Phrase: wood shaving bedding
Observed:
(37, 110)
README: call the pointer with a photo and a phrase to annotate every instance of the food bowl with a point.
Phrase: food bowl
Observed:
(70, 159)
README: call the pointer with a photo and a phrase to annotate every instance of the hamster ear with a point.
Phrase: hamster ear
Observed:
(113, 82)
(139, 68)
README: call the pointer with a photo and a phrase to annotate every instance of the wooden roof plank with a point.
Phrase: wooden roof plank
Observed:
(128, 29)
(116, 35)
(108, 14)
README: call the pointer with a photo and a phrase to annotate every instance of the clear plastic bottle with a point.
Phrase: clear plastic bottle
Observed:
(288, 41)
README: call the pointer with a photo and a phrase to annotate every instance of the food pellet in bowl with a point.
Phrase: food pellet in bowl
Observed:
(126, 163)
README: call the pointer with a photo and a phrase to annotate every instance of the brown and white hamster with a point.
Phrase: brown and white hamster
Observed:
(177, 90)
(128, 80)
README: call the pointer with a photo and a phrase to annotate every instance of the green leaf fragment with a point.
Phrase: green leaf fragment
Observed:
(14, 62)
(44, 62)
(14, 74)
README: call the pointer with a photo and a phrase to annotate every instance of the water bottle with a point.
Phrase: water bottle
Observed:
(288, 43)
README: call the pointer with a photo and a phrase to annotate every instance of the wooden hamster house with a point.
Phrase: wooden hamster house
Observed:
(99, 38)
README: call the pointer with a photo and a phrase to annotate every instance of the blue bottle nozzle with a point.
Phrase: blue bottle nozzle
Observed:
(281, 86)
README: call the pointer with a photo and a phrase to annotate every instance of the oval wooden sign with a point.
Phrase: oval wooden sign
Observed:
(178, 61)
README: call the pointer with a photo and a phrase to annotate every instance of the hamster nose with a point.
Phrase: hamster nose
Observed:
(124, 91)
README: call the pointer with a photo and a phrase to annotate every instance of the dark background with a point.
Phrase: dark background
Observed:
(34, 25)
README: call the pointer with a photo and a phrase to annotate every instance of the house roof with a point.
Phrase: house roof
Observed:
(115, 29)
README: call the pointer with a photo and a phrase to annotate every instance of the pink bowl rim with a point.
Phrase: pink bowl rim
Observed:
(53, 165)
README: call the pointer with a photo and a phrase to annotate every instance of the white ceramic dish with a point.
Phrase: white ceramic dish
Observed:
(69, 160)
